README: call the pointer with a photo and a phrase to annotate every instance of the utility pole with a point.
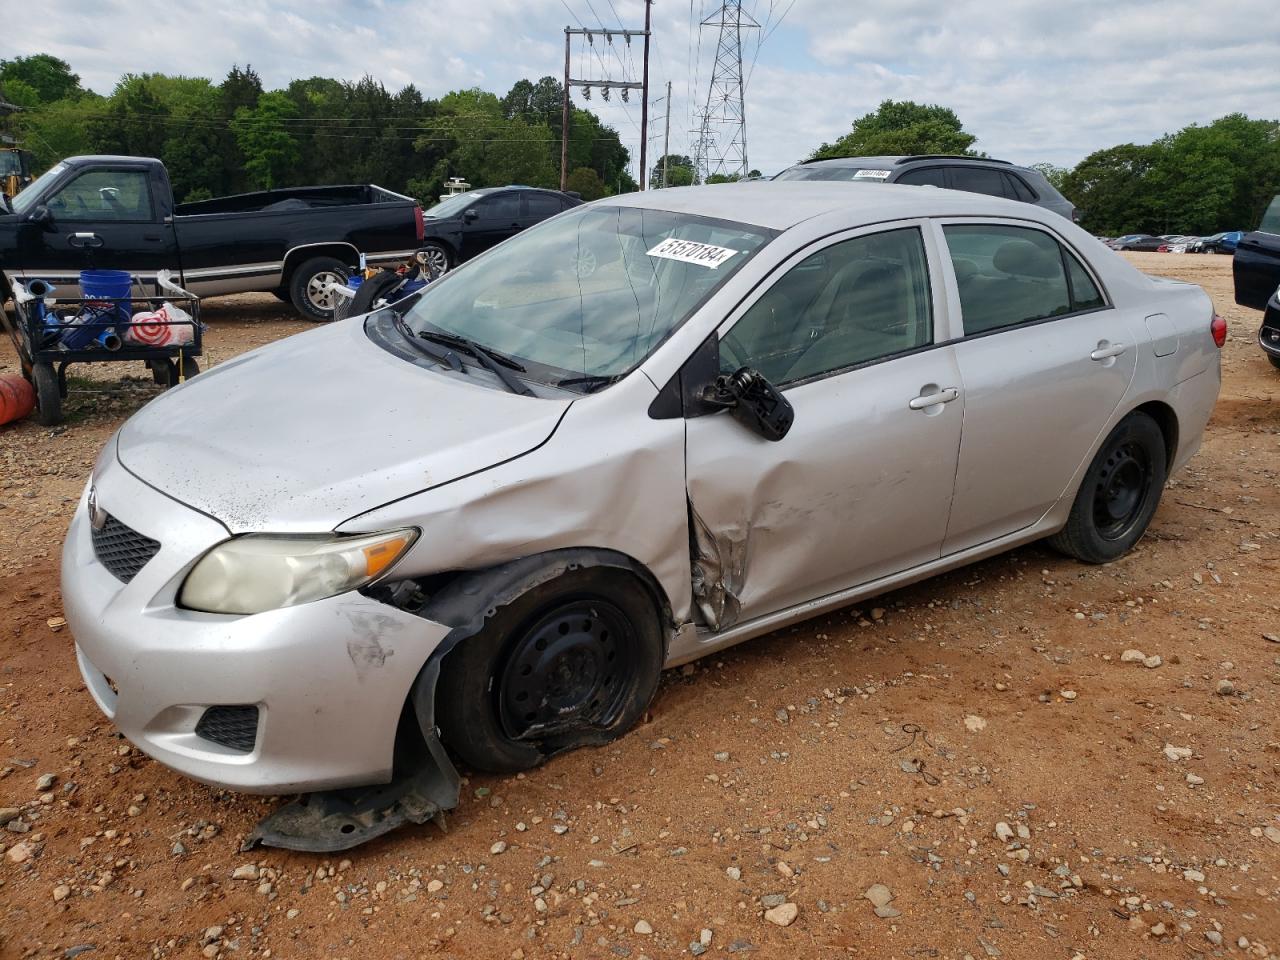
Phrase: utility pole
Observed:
(725, 104)
(623, 85)
(644, 104)
(666, 139)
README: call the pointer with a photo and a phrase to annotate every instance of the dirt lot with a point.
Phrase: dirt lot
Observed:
(975, 744)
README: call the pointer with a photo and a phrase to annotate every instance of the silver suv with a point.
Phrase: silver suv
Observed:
(995, 178)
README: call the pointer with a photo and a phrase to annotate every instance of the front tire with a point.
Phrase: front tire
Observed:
(571, 662)
(1275, 361)
(307, 287)
(1119, 493)
(437, 258)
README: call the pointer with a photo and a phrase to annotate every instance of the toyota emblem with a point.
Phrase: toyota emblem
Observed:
(97, 516)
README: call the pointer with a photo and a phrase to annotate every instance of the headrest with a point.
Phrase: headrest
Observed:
(964, 269)
(1023, 258)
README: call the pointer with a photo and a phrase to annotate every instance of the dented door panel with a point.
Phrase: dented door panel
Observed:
(860, 488)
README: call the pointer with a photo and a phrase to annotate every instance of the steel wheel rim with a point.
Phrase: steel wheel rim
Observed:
(1121, 490)
(318, 292)
(569, 668)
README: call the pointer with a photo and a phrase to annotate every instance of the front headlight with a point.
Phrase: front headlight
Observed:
(256, 572)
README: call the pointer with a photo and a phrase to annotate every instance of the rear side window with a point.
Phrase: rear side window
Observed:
(1019, 190)
(1007, 276)
(542, 205)
(978, 180)
(925, 176)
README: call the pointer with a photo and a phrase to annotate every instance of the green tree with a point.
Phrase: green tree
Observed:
(1111, 188)
(902, 127)
(1054, 174)
(680, 171)
(270, 151)
(587, 183)
(48, 77)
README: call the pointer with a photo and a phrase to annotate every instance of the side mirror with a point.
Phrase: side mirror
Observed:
(756, 403)
(41, 214)
(471, 215)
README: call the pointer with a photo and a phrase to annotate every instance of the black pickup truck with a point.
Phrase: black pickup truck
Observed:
(118, 213)
(1256, 268)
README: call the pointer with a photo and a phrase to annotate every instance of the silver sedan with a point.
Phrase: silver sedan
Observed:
(485, 518)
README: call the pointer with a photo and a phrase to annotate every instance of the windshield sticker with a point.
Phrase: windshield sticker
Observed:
(689, 251)
(872, 175)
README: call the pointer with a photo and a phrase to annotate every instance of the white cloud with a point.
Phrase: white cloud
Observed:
(1034, 79)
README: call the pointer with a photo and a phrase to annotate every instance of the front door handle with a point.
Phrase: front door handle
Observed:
(82, 240)
(933, 399)
(1107, 350)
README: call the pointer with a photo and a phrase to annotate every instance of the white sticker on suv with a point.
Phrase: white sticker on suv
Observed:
(872, 175)
(688, 251)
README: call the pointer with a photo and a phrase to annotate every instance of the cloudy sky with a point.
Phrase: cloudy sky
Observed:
(1035, 80)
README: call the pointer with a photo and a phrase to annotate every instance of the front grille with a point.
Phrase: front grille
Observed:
(123, 550)
(234, 727)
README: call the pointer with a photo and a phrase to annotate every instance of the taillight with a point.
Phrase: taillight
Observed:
(418, 223)
(1219, 330)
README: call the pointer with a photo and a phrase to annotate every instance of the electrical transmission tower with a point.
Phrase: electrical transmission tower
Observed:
(722, 141)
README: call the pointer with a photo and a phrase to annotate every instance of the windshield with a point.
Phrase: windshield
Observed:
(835, 172)
(590, 293)
(453, 206)
(27, 198)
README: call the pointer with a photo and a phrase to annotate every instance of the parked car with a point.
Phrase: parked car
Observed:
(118, 213)
(644, 431)
(1137, 241)
(1256, 270)
(995, 178)
(469, 223)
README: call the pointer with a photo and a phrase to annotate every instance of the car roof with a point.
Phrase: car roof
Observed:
(891, 162)
(780, 204)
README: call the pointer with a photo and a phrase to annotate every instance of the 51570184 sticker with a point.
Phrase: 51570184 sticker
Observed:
(689, 251)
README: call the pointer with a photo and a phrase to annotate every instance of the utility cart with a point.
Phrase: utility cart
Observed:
(110, 322)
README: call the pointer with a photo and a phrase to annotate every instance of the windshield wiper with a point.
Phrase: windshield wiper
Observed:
(590, 383)
(494, 362)
(447, 357)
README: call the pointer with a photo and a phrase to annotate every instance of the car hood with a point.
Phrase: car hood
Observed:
(305, 433)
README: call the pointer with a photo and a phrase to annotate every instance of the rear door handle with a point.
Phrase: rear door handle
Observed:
(1106, 350)
(933, 399)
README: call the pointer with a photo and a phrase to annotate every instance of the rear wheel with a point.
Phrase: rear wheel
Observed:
(1119, 493)
(571, 662)
(309, 286)
(48, 394)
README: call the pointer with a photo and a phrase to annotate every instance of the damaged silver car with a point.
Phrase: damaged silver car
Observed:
(477, 524)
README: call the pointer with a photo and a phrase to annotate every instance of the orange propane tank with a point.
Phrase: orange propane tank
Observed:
(17, 397)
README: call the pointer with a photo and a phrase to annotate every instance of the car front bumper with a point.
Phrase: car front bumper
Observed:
(328, 679)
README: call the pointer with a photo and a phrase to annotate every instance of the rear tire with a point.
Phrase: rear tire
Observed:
(48, 394)
(306, 287)
(1275, 361)
(1119, 493)
(572, 662)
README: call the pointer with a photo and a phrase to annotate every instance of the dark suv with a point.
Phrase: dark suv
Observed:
(996, 178)
(458, 228)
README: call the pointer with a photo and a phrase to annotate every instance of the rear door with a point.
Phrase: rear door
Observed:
(1256, 266)
(539, 206)
(1045, 360)
(106, 217)
(860, 487)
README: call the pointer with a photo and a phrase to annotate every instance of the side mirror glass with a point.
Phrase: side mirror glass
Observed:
(471, 215)
(755, 402)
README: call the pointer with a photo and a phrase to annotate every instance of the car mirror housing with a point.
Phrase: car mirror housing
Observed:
(755, 402)
(471, 215)
(41, 214)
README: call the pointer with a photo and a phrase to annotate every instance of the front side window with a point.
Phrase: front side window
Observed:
(853, 302)
(505, 206)
(589, 294)
(104, 195)
(1012, 275)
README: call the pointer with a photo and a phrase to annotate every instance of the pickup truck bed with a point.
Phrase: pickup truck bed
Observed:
(118, 213)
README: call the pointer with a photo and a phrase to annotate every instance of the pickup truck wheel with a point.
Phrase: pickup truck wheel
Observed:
(48, 394)
(308, 286)
(282, 294)
(572, 662)
(1275, 361)
(1119, 493)
(436, 257)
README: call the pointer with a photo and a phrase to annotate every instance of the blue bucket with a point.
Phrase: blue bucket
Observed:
(95, 321)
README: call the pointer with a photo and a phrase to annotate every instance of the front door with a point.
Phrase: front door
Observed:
(497, 217)
(101, 218)
(1045, 360)
(861, 486)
